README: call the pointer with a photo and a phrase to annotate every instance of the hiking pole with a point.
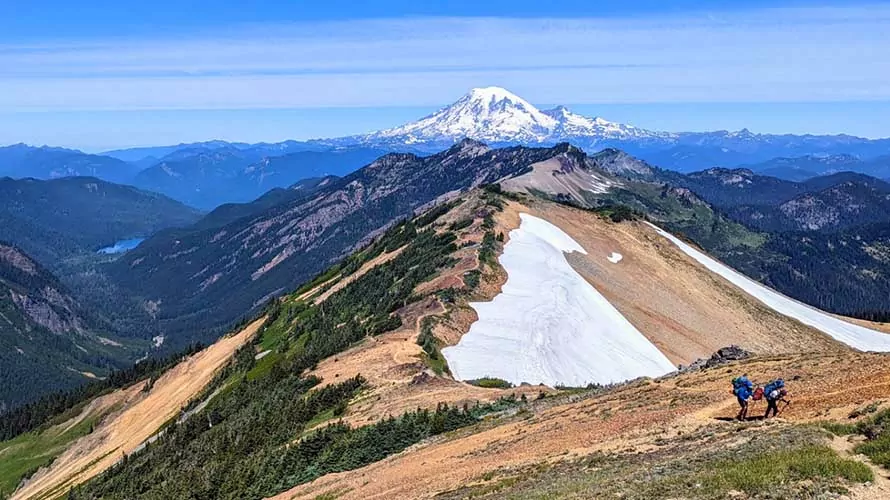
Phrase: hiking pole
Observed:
(787, 402)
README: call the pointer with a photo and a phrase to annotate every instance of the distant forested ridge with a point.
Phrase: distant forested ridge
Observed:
(825, 241)
(48, 341)
(57, 219)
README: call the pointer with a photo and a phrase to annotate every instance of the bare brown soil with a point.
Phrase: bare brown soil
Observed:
(681, 307)
(685, 310)
(397, 378)
(392, 363)
(140, 416)
(629, 419)
(881, 487)
(558, 176)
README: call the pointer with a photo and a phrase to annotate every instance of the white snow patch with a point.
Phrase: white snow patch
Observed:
(158, 340)
(107, 341)
(549, 325)
(599, 185)
(854, 336)
(615, 257)
(262, 355)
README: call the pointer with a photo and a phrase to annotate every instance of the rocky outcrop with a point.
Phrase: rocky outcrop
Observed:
(722, 356)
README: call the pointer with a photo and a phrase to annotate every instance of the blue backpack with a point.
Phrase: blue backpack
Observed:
(741, 387)
(772, 388)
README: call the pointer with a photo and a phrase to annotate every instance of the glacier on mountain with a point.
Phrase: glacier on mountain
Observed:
(495, 115)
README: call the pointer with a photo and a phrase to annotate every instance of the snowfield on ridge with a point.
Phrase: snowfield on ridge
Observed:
(549, 325)
(854, 336)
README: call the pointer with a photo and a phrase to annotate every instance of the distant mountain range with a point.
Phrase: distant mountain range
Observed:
(202, 175)
(208, 174)
(809, 166)
(153, 154)
(21, 160)
(828, 203)
(207, 178)
(793, 217)
(195, 276)
(210, 274)
(498, 117)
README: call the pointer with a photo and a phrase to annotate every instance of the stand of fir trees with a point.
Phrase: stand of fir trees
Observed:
(271, 427)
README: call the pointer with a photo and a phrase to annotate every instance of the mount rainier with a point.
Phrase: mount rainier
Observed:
(495, 115)
(498, 117)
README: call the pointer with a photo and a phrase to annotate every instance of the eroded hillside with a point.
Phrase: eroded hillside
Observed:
(556, 446)
(46, 334)
(121, 422)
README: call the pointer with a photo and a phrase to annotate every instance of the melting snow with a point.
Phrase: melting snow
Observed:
(599, 185)
(549, 325)
(615, 257)
(853, 335)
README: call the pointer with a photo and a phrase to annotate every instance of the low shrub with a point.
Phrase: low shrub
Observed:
(491, 383)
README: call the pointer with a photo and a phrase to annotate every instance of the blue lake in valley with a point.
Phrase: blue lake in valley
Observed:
(122, 246)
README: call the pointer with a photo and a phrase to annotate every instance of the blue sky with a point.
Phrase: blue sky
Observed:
(98, 75)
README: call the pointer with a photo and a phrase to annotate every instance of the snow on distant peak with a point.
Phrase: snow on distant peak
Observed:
(496, 115)
(489, 114)
(494, 94)
(573, 125)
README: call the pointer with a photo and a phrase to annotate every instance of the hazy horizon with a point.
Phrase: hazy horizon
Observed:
(94, 78)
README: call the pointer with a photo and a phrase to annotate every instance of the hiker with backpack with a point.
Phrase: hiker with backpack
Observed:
(742, 387)
(774, 392)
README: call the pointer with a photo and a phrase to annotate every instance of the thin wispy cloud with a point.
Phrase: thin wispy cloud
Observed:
(767, 55)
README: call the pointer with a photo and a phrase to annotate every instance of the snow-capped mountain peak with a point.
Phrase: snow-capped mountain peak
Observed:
(490, 114)
(495, 115)
(571, 124)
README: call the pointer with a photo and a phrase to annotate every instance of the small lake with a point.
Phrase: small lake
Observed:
(122, 246)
